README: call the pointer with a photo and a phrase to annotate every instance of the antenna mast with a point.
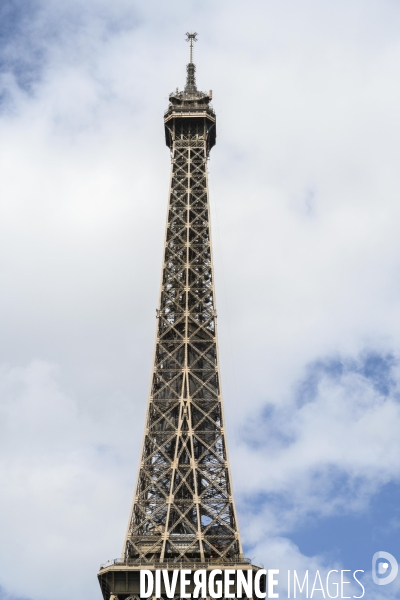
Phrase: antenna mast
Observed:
(191, 37)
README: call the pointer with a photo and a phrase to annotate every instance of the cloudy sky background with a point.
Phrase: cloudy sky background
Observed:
(305, 193)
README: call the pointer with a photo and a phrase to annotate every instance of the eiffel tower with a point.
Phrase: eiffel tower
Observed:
(183, 513)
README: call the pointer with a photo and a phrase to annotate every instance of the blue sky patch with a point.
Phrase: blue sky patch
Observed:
(353, 539)
(22, 48)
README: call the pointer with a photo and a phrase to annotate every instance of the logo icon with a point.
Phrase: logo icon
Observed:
(384, 568)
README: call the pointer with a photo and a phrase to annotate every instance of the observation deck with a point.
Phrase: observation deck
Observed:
(190, 104)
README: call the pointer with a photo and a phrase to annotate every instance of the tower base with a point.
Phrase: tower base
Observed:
(120, 580)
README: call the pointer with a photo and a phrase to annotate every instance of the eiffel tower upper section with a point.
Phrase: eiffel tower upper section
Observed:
(183, 508)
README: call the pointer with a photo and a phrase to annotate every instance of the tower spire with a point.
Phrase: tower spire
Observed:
(191, 37)
(190, 86)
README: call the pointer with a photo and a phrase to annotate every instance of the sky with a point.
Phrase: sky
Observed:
(305, 203)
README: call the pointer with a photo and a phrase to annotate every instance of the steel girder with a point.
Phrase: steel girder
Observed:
(183, 508)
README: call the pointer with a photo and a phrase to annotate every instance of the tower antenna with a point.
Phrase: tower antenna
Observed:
(191, 37)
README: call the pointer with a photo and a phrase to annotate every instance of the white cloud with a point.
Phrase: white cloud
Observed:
(324, 455)
(66, 476)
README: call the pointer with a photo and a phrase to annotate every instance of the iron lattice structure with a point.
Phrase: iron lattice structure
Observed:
(183, 507)
(183, 510)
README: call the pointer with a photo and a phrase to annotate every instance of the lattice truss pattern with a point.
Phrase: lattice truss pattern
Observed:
(183, 507)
